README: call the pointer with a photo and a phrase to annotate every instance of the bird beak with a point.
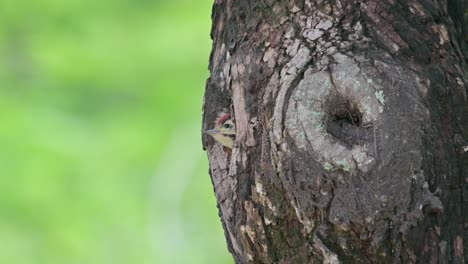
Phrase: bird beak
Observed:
(211, 132)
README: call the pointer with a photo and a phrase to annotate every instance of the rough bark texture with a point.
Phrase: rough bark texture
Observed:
(352, 130)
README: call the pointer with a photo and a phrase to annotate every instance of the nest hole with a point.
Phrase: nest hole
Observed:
(347, 113)
(345, 121)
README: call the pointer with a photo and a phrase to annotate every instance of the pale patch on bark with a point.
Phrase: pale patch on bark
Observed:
(441, 30)
(417, 9)
(423, 84)
(329, 257)
(262, 197)
(270, 57)
(272, 88)
(307, 113)
(243, 134)
(315, 28)
(288, 75)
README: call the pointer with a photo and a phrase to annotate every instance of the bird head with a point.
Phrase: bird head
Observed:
(224, 131)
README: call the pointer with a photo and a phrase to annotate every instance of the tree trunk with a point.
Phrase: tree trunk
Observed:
(352, 130)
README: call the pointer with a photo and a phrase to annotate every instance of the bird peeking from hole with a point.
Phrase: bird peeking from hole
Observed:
(224, 131)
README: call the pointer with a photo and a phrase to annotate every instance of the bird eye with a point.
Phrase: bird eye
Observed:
(227, 125)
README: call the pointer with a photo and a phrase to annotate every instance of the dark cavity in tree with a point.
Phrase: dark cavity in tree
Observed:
(345, 121)
(347, 114)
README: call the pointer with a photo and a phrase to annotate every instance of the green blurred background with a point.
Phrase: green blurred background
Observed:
(100, 152)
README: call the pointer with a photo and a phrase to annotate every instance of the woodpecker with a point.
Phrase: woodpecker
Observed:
(224, 131)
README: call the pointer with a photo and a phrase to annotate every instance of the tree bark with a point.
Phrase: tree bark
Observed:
(352, 130)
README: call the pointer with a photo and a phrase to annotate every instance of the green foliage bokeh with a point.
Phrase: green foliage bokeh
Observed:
(100, 151)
